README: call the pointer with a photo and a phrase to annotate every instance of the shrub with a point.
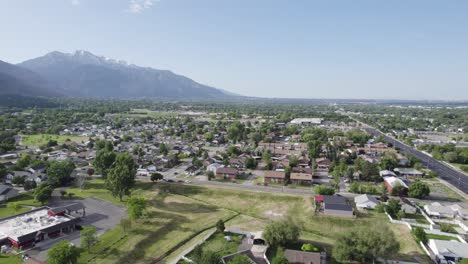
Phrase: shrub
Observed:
(309, 248)
(324, 190)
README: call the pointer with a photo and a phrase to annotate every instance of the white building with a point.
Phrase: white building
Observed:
(365, 201)
(307, 121)
(451, 250)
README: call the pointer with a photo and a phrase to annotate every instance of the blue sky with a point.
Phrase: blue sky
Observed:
(405, 49)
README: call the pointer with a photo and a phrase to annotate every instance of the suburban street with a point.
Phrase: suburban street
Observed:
(452, 176)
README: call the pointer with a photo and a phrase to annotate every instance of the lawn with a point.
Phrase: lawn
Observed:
(42, 139)
(217, 243)
(172, 220)
(10, 259)
(439, 191)
(440, 237)
(179, 212)
(23, 199)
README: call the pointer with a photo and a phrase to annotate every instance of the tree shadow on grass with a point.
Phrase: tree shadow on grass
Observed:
(152, 236)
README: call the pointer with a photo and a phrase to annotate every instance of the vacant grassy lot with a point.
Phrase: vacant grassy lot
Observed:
(42, 139)
(439, 191)
(178, 212)
(171, 219)
(25, 199)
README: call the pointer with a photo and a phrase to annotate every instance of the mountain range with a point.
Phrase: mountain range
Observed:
(83, 74)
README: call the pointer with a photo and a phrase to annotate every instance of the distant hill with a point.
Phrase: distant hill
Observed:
(84, 74)
(16, 80)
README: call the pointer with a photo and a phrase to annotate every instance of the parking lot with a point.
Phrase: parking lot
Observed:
(101, 214)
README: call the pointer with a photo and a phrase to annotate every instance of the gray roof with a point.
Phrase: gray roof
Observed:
(364, 199)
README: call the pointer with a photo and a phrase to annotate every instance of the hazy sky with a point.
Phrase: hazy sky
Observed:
(407, 49)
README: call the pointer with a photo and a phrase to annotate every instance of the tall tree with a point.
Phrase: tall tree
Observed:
(63, 252)
(136, 207)
(281, 232)
(419, 190)
(103, 161)
(59, 172)
(121, 177)
(43, 193)
(365, 244)
(88, 236)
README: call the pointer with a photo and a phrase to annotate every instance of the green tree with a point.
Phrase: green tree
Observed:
(43, 193)
(366, 243)
(419, 190)
(220, 226)
(163, 149)
(103, 161)
(88, 237)
(280, 233)
(397, 189)
(250, 163)
(240, 259)
(324, 190)
(419, 233)
(23, 162)
(121, 177)
(156, 176)
(136, 207)
(14, 206)
(63, 252)
(393, 207)
(18, 180)
(29, 185)
(309, 248)
(59, 172)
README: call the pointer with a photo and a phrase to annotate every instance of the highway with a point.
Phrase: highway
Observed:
(454, 177)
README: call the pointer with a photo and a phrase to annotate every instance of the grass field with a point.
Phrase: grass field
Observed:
(440, 237)
(442, 192)
(42, 139)
(178, 213)
(23, 199)
(9, 259)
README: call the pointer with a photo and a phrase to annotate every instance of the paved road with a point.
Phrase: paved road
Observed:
(454, 177)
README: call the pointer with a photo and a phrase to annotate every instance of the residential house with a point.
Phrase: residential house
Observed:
(391, 182)
(334, 205)
(409, 172)
(7, 192)
(226, 173)
(387, 173)
(301, 178)
(449, 250)
(303, 257)
(274, 177)
(365, 202)
(213, 167)
(322, 163)
(446, 211)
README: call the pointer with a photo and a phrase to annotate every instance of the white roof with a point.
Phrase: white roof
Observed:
(365, 199)
(306, 120)
(393, 181)
(386, 173)
(27, 223)
(444, 247)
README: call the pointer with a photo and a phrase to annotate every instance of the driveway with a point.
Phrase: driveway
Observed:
(99, 213)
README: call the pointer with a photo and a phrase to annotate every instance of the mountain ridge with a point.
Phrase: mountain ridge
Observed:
(84, 74)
